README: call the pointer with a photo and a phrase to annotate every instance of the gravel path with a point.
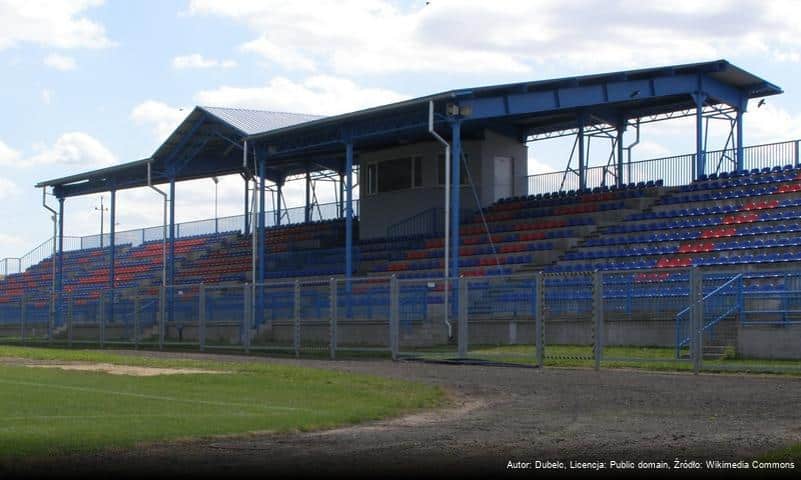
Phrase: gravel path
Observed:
(501, 414)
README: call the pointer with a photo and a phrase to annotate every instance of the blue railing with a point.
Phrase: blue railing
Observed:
(674, 170)
(716, 304)
(236, 223)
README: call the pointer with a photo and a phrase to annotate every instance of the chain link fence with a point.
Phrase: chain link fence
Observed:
(680, 319)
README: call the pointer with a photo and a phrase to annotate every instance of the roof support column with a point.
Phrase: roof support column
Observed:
(278, 208)
(112, 251)
(261, 159)
(59, 306)
(619, 142)
(700, 154)
(348, 214)
(456, 196)
(581, 160)
(740, 144)
(307, 211)
(341, 195)
(171, 256)
(247, 206)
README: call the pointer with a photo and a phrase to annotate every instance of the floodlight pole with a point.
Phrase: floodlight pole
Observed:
(102, 209)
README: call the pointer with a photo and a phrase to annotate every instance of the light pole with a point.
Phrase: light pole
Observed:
(101, 209)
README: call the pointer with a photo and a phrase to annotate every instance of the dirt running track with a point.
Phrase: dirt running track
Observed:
(499, 414)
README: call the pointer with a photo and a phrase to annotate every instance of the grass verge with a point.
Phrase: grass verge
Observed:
(51, 411)
(646, 358)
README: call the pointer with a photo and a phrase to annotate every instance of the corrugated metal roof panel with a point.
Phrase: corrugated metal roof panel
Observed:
(258, 121)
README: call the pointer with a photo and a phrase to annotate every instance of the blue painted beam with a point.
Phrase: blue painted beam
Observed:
(700, 155)
(567, 98)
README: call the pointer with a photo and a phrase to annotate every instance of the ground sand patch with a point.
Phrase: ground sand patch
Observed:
(113, 369)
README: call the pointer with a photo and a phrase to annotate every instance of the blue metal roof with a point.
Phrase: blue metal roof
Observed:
(209, 141)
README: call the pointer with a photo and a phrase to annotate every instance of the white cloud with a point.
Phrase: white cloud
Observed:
(162, 118)
(196, 60)
(77, 150)
(285, 57)
(321, 94)
(536, 166)
(47, 96)
(60, 62)
(770, 124)
(474, 36)
(61, 24)
(8, 156)
(8, 188)
(13, 244)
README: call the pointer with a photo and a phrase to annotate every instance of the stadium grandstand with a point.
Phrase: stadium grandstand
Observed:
(448, 225)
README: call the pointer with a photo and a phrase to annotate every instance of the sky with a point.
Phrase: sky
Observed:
(87, 83)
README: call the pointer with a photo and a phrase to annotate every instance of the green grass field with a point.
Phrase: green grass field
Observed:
(647, 358)
(46, 411)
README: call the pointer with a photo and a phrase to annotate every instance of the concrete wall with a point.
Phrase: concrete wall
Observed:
(379, 211)
(499, 145)
(769, 342)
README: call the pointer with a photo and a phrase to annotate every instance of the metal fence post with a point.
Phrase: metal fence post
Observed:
(539, 319)
(797, 153)
(51, 317)
(136, 321)
(332, 285)
(102, 307)
(201, 334)
(296, 320)
(162, 315)
(23, 307)
(598, 316)
(247, 318)
(462, 334)
(394, 317)
(70, 310)
(696, 313)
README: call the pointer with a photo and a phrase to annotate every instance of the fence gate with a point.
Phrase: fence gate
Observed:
(428, 313)
(569, 318)
(502, 318)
